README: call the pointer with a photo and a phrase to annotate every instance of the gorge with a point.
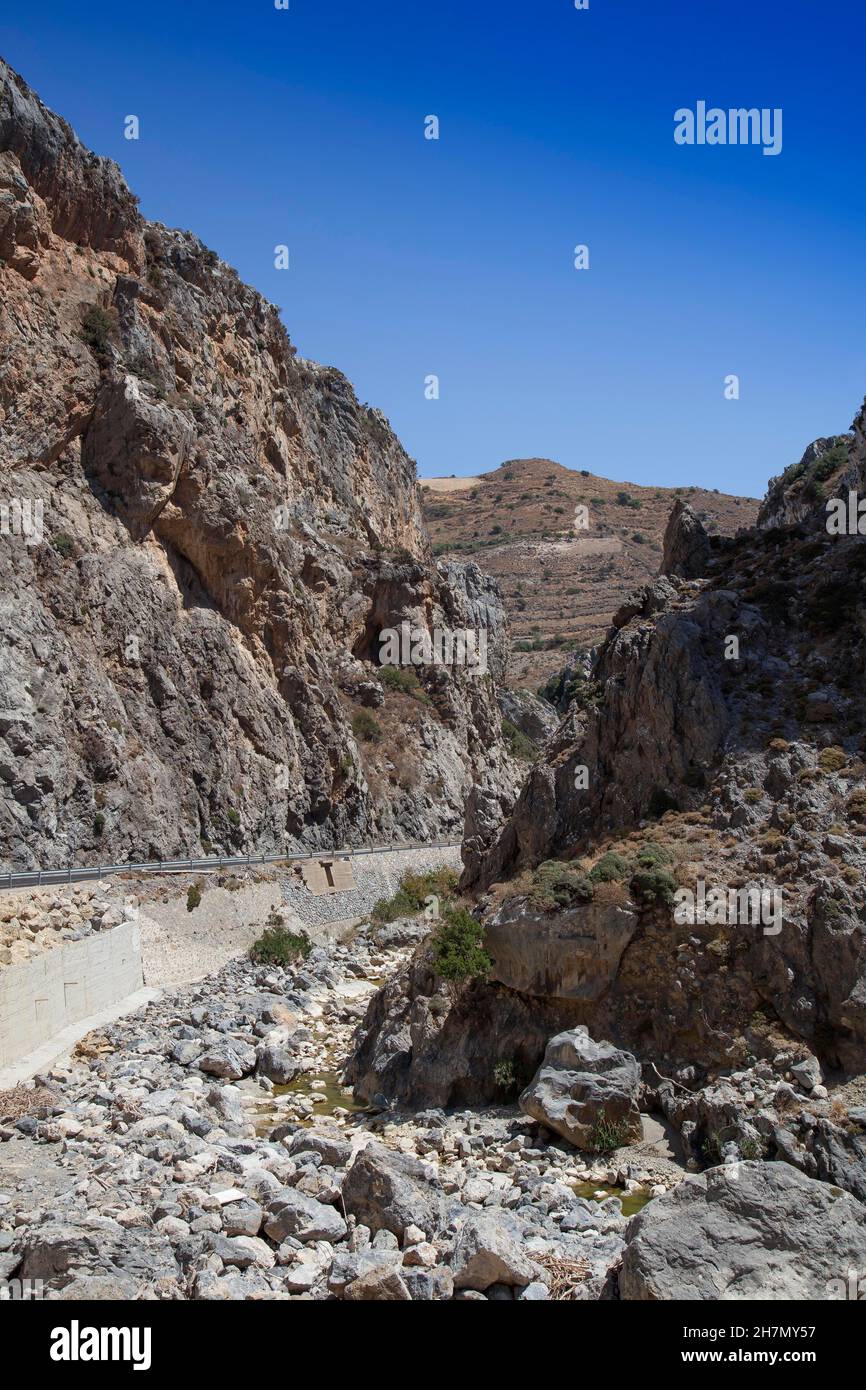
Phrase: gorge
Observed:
(516, 1077)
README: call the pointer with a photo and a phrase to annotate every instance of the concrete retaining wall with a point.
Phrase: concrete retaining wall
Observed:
(43, 996)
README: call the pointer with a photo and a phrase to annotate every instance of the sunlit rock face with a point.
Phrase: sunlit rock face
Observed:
(191, 647)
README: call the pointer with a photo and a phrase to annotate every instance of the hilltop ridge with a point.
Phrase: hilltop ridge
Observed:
(562, 582)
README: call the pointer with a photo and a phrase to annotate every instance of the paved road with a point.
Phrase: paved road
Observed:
(36, 878)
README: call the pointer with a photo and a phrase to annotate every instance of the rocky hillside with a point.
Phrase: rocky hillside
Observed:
(562, 581)
(204, 536)
(717, 740)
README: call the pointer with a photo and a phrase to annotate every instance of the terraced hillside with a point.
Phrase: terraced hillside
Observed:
(562, 583)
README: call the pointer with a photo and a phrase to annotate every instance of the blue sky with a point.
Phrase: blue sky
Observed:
(412, 257)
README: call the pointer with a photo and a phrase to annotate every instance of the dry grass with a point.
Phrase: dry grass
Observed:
(564, 1278)
(25, 1100)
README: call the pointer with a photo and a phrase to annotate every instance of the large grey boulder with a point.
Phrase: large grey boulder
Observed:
(277, 1063)
(488, 1250)
(57, 1252)
(390, 1191)
(230, 1060)
(584, 1087)
(332, 1148)
(750, 1231)
(292, 1213)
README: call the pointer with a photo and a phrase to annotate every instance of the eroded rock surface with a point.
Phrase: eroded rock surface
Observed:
(587, 1091)
(766, 1232)
(219, 533)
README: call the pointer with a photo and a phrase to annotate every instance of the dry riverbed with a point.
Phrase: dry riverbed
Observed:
(205, 1148)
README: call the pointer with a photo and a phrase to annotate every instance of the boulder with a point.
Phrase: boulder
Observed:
(390, 1191)
(292, 1213)
(807, 1073)
(58, 1252)
(583, 1086)
(230, 1060)
(379, 1286)
(348, 1266)
(277, 1063)
(489, 1250)
(754, 1231)
(242, 1218)
(332, 1148)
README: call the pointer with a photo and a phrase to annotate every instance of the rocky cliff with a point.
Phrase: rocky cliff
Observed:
(204, 536)
(716, 739)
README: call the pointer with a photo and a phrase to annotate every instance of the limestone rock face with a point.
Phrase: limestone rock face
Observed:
(686, 550)
(723, 718)
(135, 448)
(191, 634)
(659, 713)
(584, 1087)
(572, 955)
(829, 467)
(535, 718)
(719, 727)
(768, 1233)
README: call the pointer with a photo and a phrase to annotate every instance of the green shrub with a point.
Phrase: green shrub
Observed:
(607, 1135)
(519, 745)
(611, 868)
(458, 946)
(504, 1075)
(558, 885)
(64, 545)
(402, 678)
(835, 458)
(279, 946)
(653, 856)
(365, 727)
(653, 886)
(96, 328)
(413, 893)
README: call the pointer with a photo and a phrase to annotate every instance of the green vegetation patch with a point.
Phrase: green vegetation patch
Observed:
(458, 947)
(413, 893)
(279, 946)
(519, 744)
(559, 885)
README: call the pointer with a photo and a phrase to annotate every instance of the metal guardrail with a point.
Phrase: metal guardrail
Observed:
(38, 878)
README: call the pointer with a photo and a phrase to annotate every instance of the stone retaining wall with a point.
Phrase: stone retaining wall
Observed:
(42, 996)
